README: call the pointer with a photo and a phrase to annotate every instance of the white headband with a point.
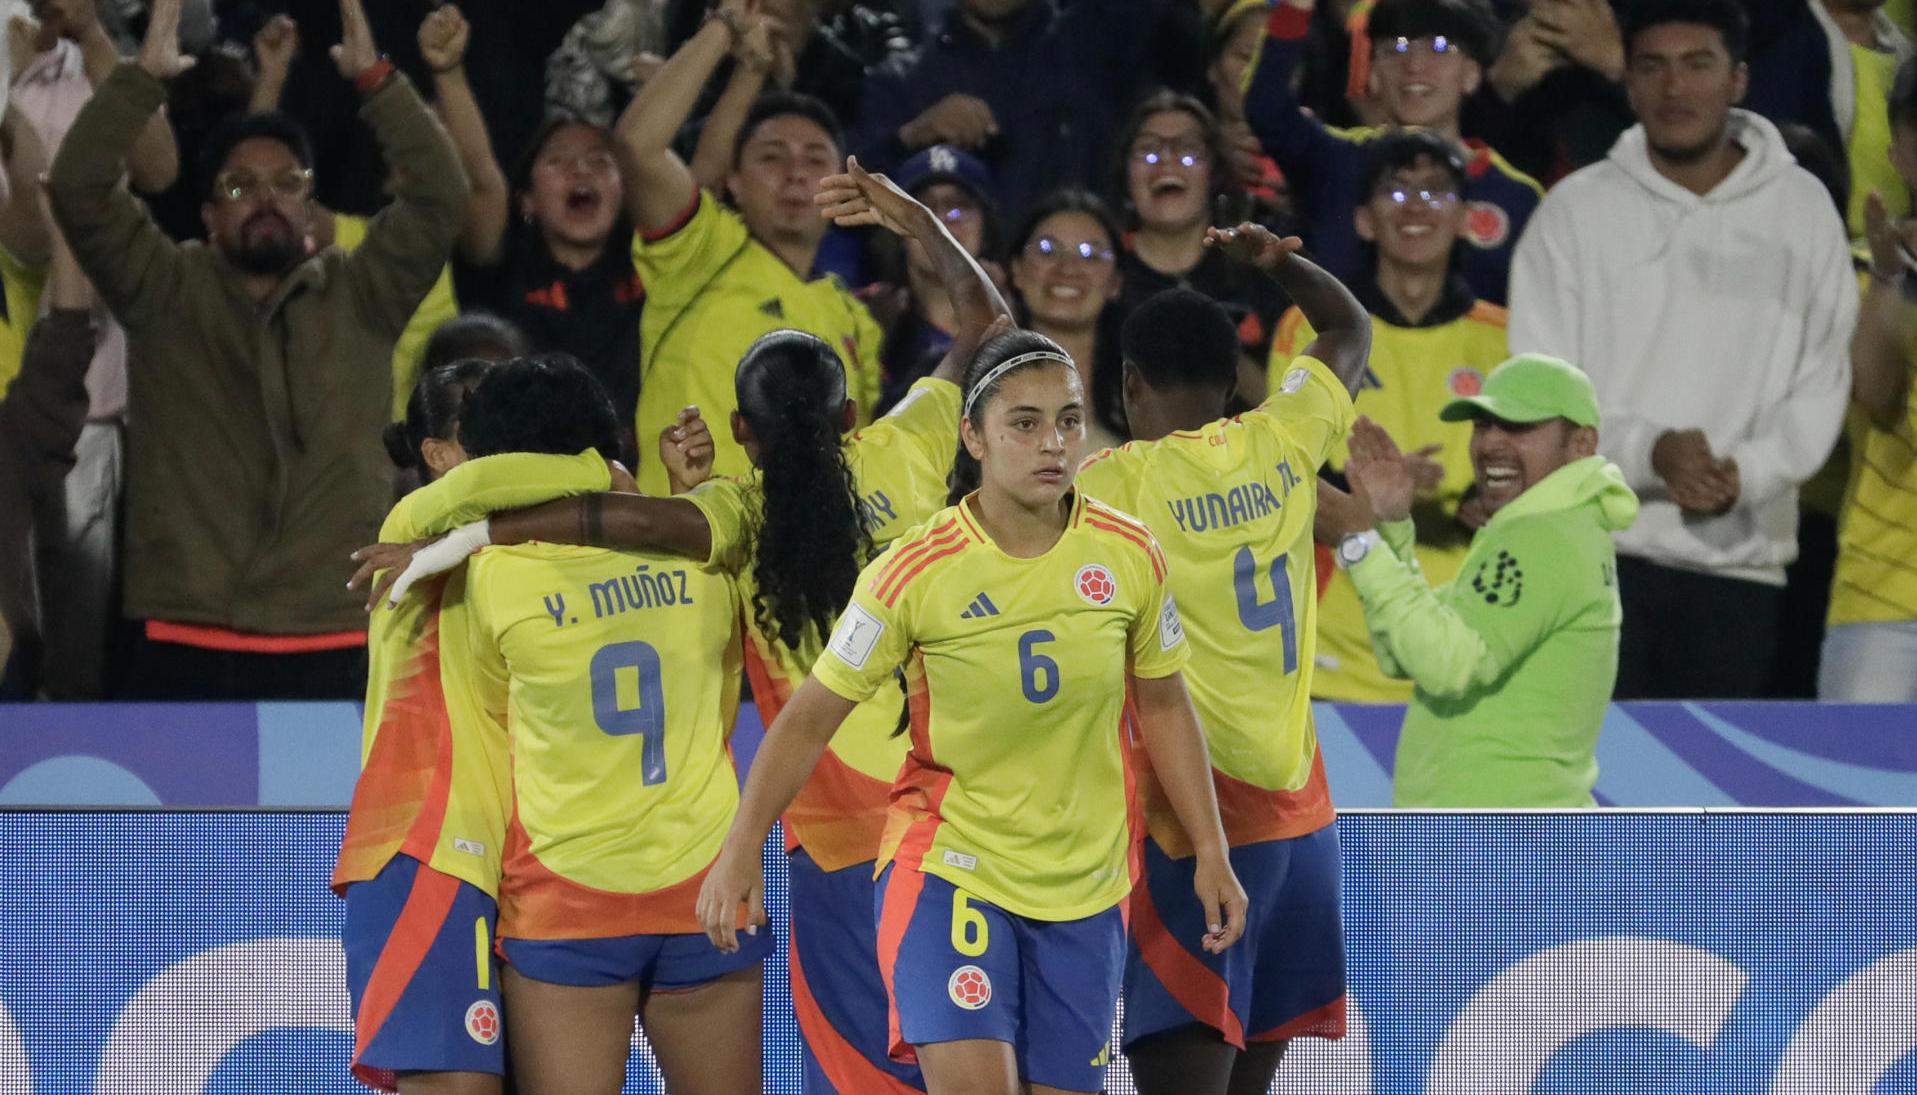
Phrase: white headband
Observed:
(1005, 366)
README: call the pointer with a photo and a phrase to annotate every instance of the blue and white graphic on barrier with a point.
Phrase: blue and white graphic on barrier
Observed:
(1593, 953)
(293, 754)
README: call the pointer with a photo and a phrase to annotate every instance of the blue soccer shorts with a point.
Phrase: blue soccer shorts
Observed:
(844, 1018)
(421, 973)
(957, 967)
(661, 963)
(1284, 979)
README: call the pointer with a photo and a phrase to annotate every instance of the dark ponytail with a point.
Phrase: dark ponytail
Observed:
(810, 543)
(1002, 348)
(431, 411)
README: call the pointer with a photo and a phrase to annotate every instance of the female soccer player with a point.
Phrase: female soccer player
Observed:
(795, 535)
(1018, 616)
(1232, 501)
(419, 864)
(618, 676)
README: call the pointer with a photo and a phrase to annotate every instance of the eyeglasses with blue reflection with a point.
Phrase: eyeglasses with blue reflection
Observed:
(1181, 153)
(1435, 45)
(1050, 249)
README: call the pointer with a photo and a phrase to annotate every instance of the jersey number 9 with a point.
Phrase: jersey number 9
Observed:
(648, 719)
(1261, 615)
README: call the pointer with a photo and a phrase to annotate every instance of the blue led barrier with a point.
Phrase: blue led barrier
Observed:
(1596, 953)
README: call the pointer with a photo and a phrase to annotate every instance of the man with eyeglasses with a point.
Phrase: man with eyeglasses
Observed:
(1432, 340)
(1427, 57)
(260, 374)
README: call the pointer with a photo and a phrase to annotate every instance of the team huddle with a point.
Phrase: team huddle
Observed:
(1033, 738)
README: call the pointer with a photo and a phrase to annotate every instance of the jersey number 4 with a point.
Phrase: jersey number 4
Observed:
(1258, 614)
(648, 719)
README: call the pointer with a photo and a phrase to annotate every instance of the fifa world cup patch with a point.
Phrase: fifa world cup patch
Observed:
(855, 636)
(969, 988)
(1096, 584)
(1171, 629)
(1486, 225)
(1464, 382)
(482, 1022)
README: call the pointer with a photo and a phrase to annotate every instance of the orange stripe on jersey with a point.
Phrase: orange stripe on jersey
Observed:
(1250, 814)
(913, 818)
(843, 1065)
(908, 554)
(1485, 312)
(1143, 540)
(905, 579)
(1190, 982)
(535, 903)
(399, 801)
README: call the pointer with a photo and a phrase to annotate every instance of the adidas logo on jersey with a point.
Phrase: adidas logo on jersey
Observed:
(980, 608)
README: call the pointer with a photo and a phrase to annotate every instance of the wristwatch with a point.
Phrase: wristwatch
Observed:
(1354, 547)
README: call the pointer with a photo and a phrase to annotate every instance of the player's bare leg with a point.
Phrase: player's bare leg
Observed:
(707, 1040)
(569, 1040)
(450, 1083)
(972, 1066)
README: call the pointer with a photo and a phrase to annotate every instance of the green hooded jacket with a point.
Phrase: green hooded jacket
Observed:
(1513, 661)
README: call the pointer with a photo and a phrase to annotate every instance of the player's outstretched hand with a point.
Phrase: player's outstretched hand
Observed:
(686, 449)
(734, 880)
(1254, 244)
(858, 198)
(1224, 901)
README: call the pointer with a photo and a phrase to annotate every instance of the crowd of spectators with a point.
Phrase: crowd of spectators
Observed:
(234, 230)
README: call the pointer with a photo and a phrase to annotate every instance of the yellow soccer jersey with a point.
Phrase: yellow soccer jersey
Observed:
(22, 285)
(1017, 786)
(1876, 576)
(435, 780)
(712, 290)
(1233, 504)
(899, 465)
(438, 307)
(1413, 372)
(619, 674)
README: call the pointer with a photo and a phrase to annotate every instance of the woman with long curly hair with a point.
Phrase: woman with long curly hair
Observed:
(794, 535)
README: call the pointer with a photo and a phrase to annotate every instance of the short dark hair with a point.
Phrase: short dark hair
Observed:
(474, 334)
(1903, 95)
(1726, 16)
(432, 410)
(227, 135)
(1181, 338)
(1468, 24)
(548, 403)
(779, 104)
(1398, 149)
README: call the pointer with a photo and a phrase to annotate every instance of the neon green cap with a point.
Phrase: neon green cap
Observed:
(1530, 388)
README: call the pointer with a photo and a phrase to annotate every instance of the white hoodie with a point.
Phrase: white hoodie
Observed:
(1731, 313)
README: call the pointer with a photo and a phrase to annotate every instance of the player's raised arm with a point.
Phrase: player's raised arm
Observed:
(858, 197)
(1343, 325)
(784, 762)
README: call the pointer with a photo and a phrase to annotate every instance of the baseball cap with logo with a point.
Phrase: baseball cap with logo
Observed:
(947, 163)
(1530, 388)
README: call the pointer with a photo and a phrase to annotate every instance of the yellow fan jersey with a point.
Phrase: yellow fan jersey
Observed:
(1412, 374)
(1233, 505)
(899, 466)
(21, 285)
(619, 674)
(1018, 784)
(438, 307)
(435, 780)
(1876, 576)
(711, 291)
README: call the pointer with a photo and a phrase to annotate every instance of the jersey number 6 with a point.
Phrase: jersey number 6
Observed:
(1037, 674)
(1260, 615)
(648, 719)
